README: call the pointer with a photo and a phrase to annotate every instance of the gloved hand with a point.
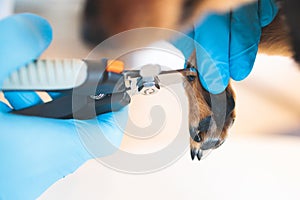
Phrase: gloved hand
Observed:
(36, 152)
(227, 44)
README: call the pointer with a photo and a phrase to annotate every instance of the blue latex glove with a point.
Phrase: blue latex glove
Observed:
(228, 43)
(36, 152)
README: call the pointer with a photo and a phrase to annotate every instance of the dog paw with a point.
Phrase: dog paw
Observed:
(210, 116)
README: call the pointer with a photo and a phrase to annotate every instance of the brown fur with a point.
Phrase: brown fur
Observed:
(115, 16)
(200, 108)
(275, 39)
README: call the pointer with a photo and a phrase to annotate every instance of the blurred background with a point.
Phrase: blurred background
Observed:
(259, 160)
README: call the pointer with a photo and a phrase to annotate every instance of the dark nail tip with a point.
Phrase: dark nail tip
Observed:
(192, 154)
(199, 155)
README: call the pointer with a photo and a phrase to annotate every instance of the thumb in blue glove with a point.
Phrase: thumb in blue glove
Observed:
(246, 26)
(37, 152)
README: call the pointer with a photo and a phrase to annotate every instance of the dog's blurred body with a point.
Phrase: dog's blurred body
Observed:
(103, 18)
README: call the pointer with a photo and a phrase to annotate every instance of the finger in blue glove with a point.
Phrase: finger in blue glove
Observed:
(211, 38)
(228, 43)
(23, 37)
(246, 28)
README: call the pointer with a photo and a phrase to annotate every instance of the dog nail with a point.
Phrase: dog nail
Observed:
(192, 154)
(199, 155)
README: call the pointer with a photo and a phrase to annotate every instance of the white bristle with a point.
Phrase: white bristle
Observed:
(48, 75)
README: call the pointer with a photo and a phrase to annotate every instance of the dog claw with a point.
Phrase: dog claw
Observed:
(196, 153)
(192, 154)
(199, 155)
